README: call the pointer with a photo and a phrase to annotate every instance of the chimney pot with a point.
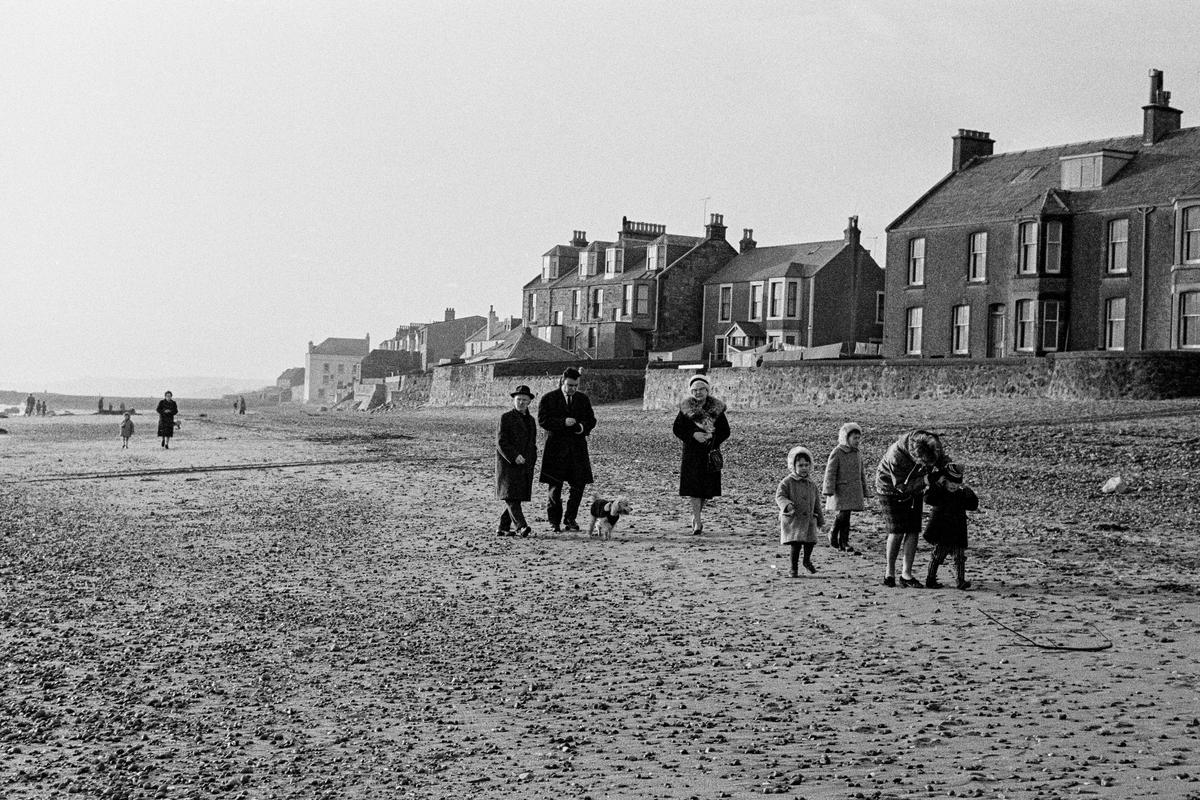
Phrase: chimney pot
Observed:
(449, 314)
(1158, 118)
(969, 144)
(747, 243)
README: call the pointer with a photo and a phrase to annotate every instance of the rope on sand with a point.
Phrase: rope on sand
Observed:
(1062, 647)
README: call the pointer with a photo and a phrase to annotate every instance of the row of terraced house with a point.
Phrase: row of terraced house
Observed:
(1086, 246)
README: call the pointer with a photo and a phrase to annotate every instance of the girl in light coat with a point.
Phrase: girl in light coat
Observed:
(800, 514)
(845, 484)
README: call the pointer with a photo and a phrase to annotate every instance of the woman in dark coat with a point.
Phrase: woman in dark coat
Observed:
(167, 409)
(516, 454)
(702, 427)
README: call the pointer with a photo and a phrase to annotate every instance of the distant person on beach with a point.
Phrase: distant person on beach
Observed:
(166, 409)
(30, 402)
(126, 431)
(241, 405)
(516, 454)
(949, 500)
(702, 427)
(900, 484)
(845, 486)
(100, 405)
(567, 417)
(800, 515)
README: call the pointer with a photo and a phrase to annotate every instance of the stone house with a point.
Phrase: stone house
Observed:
(332, 367)
(621, 299)
(288, 380)
(490, 334)
(435, 342)
(808, 294)
(1086, 246)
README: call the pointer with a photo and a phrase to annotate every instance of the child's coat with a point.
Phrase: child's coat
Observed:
(807, 516)
(947, 524)
(845, 474)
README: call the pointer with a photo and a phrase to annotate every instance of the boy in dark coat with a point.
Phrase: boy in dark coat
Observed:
(949, 500)
(567, 417)
(516, 453)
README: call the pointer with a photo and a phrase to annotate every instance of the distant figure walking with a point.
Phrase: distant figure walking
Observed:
(30, 402)
(567, 417)
(100, 405)
(702, 427)
(241, 405)
(516, 453)
(167, 409)
(126, 431)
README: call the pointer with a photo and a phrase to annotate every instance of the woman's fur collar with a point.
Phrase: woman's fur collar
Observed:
(711, 408)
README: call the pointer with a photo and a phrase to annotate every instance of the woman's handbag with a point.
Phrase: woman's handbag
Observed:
(716, 461)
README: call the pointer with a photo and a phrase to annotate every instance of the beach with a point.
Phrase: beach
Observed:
(292, 604)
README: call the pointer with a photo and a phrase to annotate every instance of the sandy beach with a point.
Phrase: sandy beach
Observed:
(298, 605)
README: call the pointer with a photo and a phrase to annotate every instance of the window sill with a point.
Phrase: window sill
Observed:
(913, 286)
(982, 282)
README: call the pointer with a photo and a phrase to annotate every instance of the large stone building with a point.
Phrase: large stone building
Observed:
(435, 342)
(332, 367)
(1086, 246)
(808, 294)
(626, 297)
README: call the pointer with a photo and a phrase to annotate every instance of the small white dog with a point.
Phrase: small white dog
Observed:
(605, 514)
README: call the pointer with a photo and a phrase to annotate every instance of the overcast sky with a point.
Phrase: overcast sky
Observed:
(201, 188)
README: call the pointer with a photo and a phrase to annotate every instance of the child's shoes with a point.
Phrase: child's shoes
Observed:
(964, 585)
(808, 565)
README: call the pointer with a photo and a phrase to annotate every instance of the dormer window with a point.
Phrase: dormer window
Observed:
(614, 262)
(587, 264)
(549, 268)
(656, 255)
(1092, 170)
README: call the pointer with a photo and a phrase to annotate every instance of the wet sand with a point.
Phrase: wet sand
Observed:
(293, 605)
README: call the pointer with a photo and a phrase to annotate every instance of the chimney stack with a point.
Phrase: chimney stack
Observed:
(852, 233)
(492, 320)
(368, 342)
(579, 239)
(449, 314)
(747, 243)
(1158, 118)
(715, 229)
(970, 144)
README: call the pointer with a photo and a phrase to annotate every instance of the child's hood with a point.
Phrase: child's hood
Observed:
(797, 451)
(844, 435)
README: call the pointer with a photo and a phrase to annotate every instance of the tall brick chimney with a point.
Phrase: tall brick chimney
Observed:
(852, 234)
(579, 239)
(449, 314)
(747, 243)
(1158, 118)
(715, 229)
(970, 144)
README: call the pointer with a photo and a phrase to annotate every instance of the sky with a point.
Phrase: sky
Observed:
(201, 188)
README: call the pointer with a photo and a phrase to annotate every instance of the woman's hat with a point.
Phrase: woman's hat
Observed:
(697, 379)
(953, 473)
(522, 389)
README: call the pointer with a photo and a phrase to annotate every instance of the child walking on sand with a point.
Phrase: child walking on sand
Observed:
(845, 485)
(800, 512)
(126, 431)
(949, 500)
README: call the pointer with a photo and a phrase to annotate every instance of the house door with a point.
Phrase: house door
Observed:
(995, 340)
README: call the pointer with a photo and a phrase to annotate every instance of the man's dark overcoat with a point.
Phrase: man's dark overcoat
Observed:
(517, 436)
(565, 457)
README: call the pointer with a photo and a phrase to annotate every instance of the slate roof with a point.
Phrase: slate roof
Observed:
(520, 344)
(341, 347)
(293, 375)
(791, 260)
(751, 329)
(985, 191)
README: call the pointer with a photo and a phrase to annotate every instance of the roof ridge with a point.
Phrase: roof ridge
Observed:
(1072, 144)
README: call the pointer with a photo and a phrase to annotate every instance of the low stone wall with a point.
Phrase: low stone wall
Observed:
(1155, 375)
(408, 390)
(1080, 376)
(478, 385)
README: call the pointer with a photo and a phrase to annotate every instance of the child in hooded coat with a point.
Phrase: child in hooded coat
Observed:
(800, 513)
(949, 500)
(845, 484)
